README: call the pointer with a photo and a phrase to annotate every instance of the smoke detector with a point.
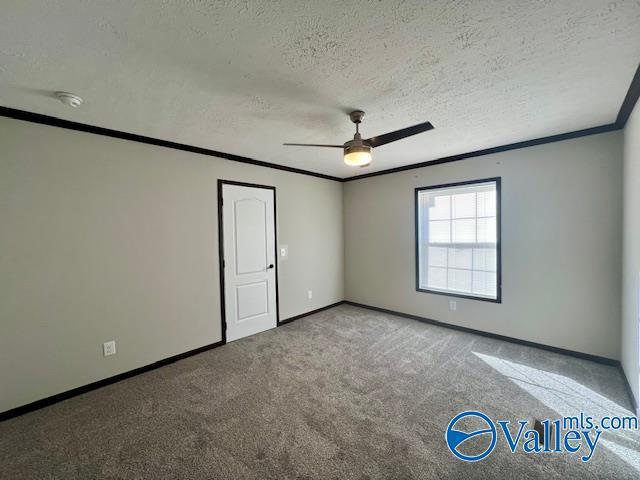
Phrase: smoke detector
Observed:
(69, 99)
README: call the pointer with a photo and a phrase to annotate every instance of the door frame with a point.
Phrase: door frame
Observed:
(221, 183)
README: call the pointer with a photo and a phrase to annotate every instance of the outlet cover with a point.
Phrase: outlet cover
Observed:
(453, 305)
(309, 294)
(109, 348)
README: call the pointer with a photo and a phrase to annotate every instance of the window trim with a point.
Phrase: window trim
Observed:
(498, 181)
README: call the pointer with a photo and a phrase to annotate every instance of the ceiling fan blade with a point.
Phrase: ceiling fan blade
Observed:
(312, 145)
(398, 134)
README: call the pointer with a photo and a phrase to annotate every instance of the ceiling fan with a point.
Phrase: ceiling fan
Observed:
(357, 152)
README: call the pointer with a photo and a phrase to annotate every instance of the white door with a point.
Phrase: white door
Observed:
(248, 221)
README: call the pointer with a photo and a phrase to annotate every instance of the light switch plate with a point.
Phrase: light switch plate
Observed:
(453, 305)
(109, 348)
(309, 294)
(284, 251)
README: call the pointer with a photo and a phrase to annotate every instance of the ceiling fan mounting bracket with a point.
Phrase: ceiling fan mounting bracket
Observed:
(356, 116)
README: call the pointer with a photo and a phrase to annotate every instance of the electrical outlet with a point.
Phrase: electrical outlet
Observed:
(309, 294)
(453, 305)
(109, 348)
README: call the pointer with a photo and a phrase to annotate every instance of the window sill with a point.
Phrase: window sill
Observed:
(461, 295)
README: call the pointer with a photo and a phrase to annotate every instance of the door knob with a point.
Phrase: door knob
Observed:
(270, 265)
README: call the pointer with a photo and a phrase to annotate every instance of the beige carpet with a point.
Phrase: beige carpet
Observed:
(344, 394)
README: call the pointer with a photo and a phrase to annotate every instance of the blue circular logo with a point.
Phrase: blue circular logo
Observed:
(455, 438)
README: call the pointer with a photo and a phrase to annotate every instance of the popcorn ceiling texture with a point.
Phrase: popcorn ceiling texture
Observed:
(245, 76)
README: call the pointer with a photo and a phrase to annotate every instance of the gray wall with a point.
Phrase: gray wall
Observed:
(561, 242)
(631, 262)
(108, 239)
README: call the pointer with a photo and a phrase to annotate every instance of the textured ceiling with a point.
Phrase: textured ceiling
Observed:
(244, 76)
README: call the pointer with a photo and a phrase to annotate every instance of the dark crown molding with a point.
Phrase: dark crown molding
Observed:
(488, 151)
(630, 100)
(628, 104)
(107, 132)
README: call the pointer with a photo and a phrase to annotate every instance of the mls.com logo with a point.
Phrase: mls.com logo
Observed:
(457, 438)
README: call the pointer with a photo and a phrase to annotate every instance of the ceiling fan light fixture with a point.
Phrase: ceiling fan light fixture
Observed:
(357, 156)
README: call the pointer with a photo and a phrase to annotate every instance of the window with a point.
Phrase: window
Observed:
(458, 239)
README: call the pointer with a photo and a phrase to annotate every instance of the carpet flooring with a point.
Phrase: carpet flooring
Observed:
(347, 393)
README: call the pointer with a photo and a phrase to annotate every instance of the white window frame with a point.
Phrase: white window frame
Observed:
(419, 241)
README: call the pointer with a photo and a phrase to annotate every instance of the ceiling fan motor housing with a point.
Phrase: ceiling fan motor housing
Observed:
(353, 147)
